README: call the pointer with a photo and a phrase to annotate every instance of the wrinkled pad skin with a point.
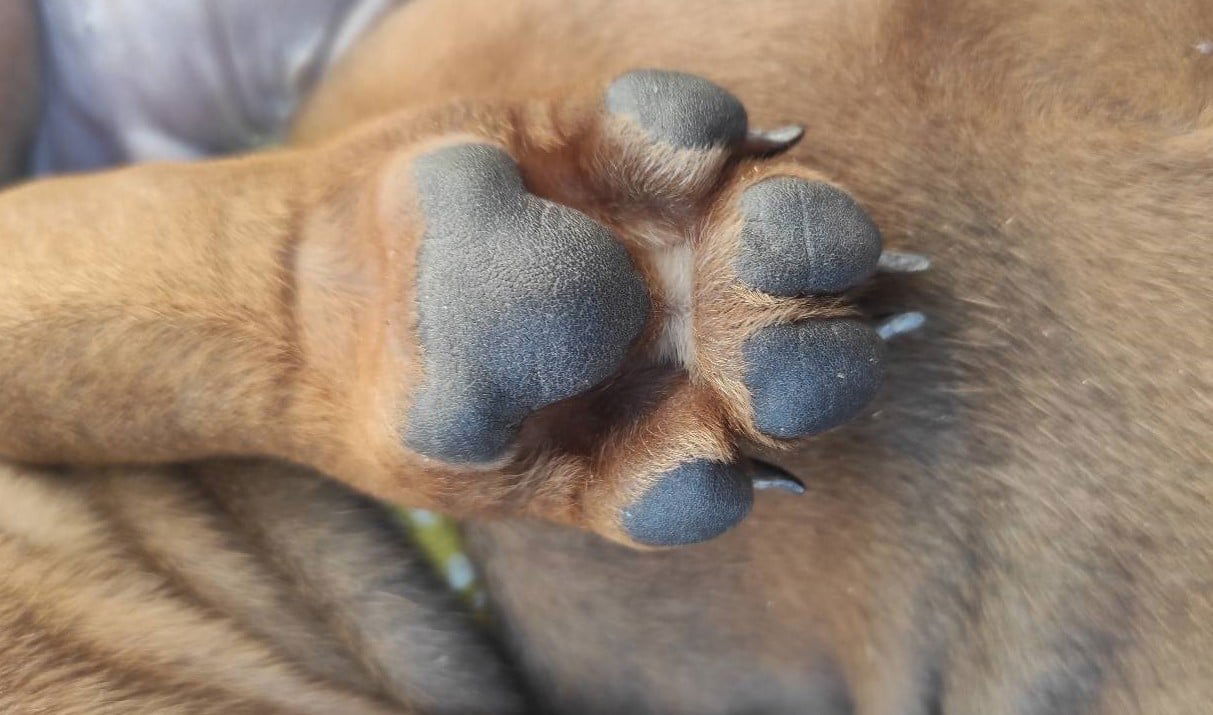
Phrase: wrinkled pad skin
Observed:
(521, 302)
(801, 237)
(808, 377)
(679, 109)
(692, 502)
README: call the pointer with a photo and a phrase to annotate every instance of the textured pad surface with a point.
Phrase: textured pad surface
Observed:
(678, 109)
(522, 303)
(804, 237)
(692, 502)
(805, 378)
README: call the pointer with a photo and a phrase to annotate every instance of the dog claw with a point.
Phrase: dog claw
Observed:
(764, 475)
(900, 324)
(760, 142)
(902, 262)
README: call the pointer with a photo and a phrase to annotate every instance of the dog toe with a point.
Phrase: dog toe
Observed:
(807, 377)
(678, 109)
(692, 502)
(802, 237)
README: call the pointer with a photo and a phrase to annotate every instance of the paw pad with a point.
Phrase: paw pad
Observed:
(521, 303)
(802, 237)
(678, 109)
(690, 503)
(808, 377)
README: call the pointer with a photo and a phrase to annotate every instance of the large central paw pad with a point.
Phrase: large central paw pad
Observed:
(521, 303)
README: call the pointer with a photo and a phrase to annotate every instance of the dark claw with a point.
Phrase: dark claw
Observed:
(902, 262)
(900, 324)
(769, 142)
(764, 475)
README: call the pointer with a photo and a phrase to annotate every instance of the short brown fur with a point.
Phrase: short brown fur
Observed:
(1022, 523)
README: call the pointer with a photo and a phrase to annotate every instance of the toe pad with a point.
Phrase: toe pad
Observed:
(692, 502)
(678, 109)
(802, 237)
(808, 377)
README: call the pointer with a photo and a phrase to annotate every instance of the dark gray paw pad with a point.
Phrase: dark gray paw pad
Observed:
(804, 237)
(692, 502)
(521, 303)
(679, 109)
(805, 378)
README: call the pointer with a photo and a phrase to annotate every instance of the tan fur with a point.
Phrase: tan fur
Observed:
(1021, 525)
(221, 587)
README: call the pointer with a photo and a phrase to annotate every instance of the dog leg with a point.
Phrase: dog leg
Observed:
(573, 308)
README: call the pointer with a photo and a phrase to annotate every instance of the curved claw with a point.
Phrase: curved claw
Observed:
(769, 142)
(902, 262)
(764, 475)
(900, 324)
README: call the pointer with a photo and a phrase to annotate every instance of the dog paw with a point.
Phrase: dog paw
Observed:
(611, 292)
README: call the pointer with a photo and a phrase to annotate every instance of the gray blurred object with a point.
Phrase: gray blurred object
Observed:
(18, 84)
(138, 80)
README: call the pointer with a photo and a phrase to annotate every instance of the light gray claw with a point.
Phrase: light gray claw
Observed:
(900, 324)
(764, 475)
(902, 262)
(769, 142)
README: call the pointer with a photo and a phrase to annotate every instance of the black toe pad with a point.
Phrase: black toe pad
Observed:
(678, 109)
(692, 502)
(802, 237)
(805, 378)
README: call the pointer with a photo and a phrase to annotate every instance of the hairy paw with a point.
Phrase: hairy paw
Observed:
(602, 296)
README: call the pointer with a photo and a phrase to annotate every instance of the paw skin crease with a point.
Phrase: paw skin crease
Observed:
(521, 303)
(678, 109)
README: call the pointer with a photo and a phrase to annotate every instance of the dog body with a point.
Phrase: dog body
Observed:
(1020, 526)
